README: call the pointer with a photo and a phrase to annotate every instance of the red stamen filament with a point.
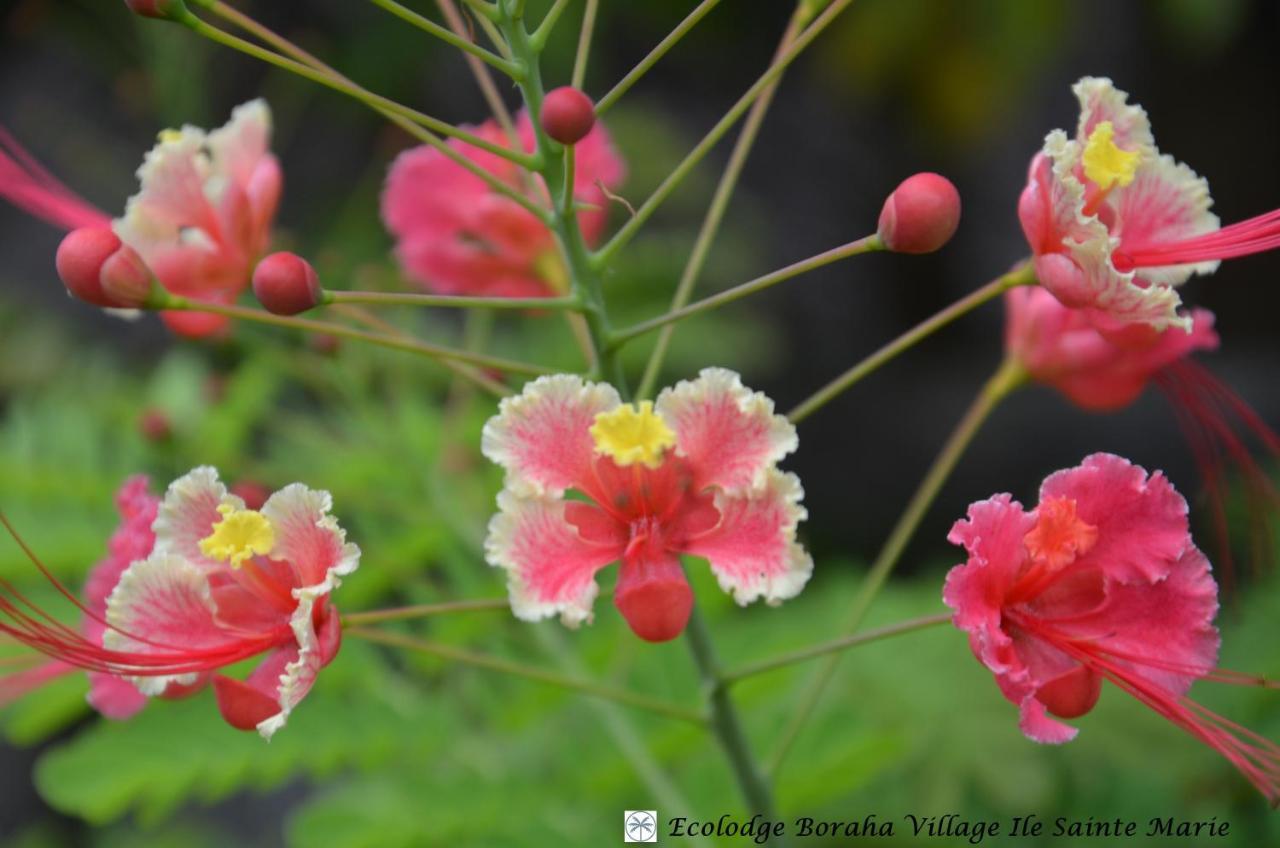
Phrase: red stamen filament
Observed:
(1241, 239)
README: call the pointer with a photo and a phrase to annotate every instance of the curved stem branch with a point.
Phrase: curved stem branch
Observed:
(1022, 274)
(682, 29)
(832, 647)
(1006, 378)
(379, 298)
(516, 669)
(584, 43)
(467, 46)
(357, 619)
(863, 245)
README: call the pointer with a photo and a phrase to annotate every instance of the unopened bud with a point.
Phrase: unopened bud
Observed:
(155, 426)
(568, 114)
(165, 10)
(125, 279)
(921, 215)
(654, 597)
(79, 261)
(286, 284)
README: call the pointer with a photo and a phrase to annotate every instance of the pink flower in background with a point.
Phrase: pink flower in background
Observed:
(694, 473)
(1115, 225)
(206, 584)
(1100, 581)
(201, 219)
(456, 236)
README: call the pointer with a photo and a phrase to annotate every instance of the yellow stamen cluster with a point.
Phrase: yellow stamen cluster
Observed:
(169, 136)
(240, 534)
(631, 434)
(1105, 163)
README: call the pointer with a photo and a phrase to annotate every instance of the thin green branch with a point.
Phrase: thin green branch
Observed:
(438, 352)
(633, 76)
(484, 79)
(382, 616)
(716, 211)
(867, 244)
(724, 721)
(1006, 378)
(833, 646)
(340, 84)
(584, 43)
(516, 669)
(379, 298)
(606, 253)
(539, 37)
(511, 69)
(1022, 274)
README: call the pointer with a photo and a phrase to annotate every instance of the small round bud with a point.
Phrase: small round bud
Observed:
(568, 115)
(286, 284)
(325, 344)
(654, 597)
(125, 279)
(79, 261)
(164, 10)
(155, 426)
(921, 215)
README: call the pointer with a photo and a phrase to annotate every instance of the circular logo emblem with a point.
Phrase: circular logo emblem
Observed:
(641, 826)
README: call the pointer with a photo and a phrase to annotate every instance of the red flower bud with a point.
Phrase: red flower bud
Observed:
(79, 261)
(654, 597)
(155, 426)
(252, 493)
(125, 279)
(921, 215)
(162, 9)
(568, 115)
(286, 284)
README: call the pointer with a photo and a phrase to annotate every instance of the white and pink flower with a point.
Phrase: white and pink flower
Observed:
(591, 480)
(210, 584)
(1115, 225)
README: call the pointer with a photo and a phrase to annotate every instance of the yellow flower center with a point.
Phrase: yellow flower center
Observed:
(240, 534)
(1105, 163)
(169, 136)
(631, 434)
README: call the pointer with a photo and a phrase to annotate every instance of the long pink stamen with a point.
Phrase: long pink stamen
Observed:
(1241, 239)
(26, 183)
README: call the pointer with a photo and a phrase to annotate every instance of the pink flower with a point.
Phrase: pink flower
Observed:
(1062, 348)
(456, 236)
(1115, 225)
(206, 584)
(201, 219)
(1100, 581)
(694, 473)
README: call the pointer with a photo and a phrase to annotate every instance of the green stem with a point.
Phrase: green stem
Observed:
(516, 669)
(1022, 274)
(379, 298)
(584, 43)
(382, 616)
(1007, 377)
(724, 721)
(467, 46)
(716, 211)
(341, 84)
(606, 253)
(484, 79)
(444, 354)
(832, 647)
(543, 32)
(682, 29)
(868, 244)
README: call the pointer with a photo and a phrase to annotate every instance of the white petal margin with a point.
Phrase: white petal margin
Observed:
(542, 436)
(164, 600)
(240, 144)
(188, 512)
(1101, 101)
(753, 550)
(311, 539)
(1091, 246)
(550, 568)
(1167, 201)
(731, 435)
(172, 197)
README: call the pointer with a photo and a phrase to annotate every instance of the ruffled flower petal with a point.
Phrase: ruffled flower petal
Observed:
(753, 550)
(1101, 101)
(188, 514)
(550, 566)
(729, 434)
(542, 436)
(308, 537)
(1166, 202)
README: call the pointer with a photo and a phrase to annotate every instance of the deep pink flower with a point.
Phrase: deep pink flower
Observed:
(195, 583)
(1100, 581)
(1115, 225)
(201, 219)
(456, 236)
(694, 473)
